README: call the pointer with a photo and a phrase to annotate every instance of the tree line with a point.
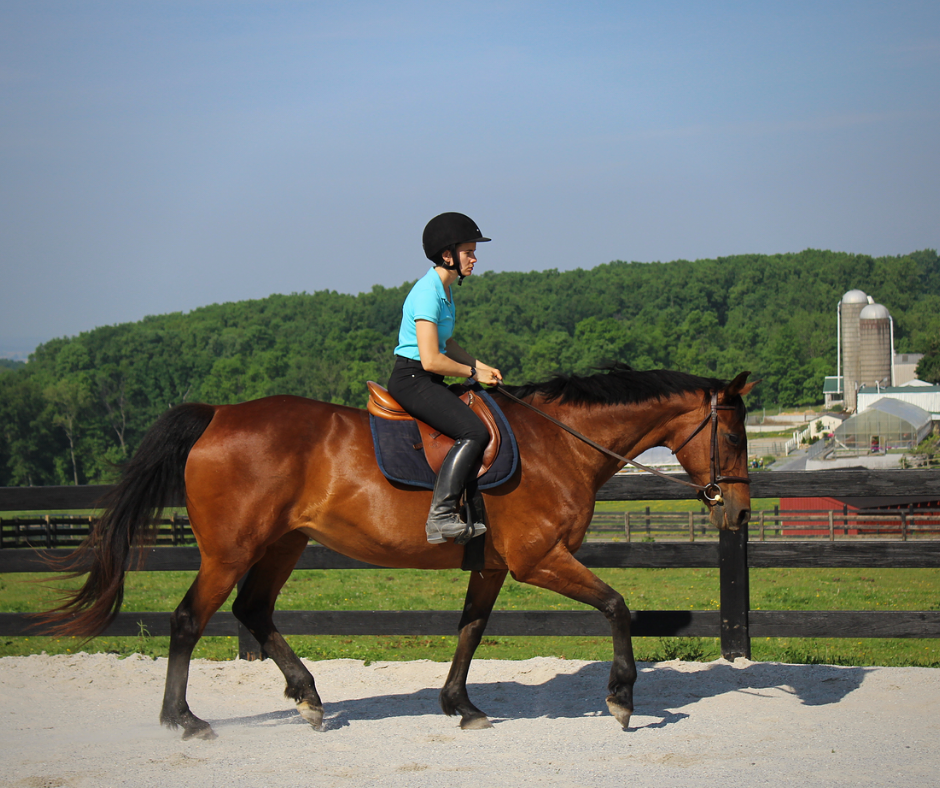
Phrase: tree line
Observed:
(81, 404)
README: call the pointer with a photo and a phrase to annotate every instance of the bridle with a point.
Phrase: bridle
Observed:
(716, 475)
(710, 493)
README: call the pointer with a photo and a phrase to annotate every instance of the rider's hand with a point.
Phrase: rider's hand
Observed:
(488, 375)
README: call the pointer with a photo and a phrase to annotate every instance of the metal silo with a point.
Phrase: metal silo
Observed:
(874, 333)
(850, 307)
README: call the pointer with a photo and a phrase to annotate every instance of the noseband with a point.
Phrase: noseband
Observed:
(710, 493)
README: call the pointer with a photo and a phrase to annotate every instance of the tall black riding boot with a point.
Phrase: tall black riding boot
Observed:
(443, 521)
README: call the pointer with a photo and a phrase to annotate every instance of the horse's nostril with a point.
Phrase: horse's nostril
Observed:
(744, 517)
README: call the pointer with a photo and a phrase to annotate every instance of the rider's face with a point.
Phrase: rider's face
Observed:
(467, 257)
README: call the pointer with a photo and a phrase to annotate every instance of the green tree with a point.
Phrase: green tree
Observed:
(70, 398)
(84, 402)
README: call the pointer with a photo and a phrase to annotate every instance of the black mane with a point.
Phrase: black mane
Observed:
(617, 384)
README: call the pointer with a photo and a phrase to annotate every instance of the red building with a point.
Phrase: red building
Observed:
(846, 517)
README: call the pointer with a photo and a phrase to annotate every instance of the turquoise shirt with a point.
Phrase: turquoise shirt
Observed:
(426, 301)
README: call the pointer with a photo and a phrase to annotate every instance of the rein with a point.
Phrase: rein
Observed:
(716, 476)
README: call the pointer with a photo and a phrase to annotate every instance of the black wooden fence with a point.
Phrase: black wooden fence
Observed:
(734, 622)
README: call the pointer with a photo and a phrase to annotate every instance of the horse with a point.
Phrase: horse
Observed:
(263, 477)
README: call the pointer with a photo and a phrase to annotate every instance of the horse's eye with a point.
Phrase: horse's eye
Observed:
(733, 439)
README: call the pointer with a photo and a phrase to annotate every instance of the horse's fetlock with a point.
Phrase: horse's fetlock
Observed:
(300, 693)
(449, 703)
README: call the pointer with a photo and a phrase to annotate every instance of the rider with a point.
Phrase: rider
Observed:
(426, 353)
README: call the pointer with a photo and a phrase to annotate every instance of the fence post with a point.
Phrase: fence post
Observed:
(647, 521)
(626, 524)
(735, 594)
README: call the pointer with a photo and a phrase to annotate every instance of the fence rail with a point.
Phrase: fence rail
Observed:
(66, 530)
(731, 553)
(69, 530)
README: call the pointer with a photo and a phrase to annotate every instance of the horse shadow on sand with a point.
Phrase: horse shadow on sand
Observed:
(664, 694)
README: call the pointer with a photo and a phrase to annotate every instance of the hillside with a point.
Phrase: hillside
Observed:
(83, 402)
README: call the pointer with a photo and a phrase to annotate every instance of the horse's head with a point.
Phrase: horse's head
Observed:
(714, 453)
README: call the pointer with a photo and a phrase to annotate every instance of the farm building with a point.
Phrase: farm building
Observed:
(866, 360)
(885, 424)
(850, 514)
(916, 392)
(905, 367)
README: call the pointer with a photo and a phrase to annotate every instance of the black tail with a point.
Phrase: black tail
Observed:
(151, 480)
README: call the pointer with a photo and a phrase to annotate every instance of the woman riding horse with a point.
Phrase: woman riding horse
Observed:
(261, 478)
(426, 352)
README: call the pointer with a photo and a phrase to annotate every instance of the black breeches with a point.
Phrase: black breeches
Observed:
(424, 395)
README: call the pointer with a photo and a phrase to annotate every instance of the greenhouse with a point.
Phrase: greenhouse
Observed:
(885, 425)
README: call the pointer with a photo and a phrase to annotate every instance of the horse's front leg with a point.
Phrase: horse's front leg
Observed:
(482, 591)
(562, 572)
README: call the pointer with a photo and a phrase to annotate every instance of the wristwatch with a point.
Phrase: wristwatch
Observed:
(473, 373)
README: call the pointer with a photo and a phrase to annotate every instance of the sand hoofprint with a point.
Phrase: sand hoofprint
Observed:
(91, 720)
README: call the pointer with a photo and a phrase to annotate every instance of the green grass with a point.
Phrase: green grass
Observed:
(644, 589)
(683, 505)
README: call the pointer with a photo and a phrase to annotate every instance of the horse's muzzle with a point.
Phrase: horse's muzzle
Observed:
(728, 518)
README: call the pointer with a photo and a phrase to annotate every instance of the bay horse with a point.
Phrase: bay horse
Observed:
(261, 478)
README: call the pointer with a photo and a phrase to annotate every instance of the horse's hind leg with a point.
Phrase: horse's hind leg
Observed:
(482, 591)
(209, 590)
(254, 607)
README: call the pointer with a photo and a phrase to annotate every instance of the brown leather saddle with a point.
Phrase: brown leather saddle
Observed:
(435, 444)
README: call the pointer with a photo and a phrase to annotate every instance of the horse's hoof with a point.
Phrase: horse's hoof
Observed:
(621, 713)
(203, 732)
(311, 714)
(477, 722)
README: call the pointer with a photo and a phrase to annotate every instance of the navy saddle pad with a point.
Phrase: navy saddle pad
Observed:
(400, 461)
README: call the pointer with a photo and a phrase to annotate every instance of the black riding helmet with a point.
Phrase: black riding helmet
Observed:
(446, 231)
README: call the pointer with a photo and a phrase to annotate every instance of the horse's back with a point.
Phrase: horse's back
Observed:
(287, 419)
(273, 446)
(269, 466)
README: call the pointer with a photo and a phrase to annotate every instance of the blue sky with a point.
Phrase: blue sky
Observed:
(160, 156)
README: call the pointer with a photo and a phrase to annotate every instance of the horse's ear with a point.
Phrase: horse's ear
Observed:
(739, 386)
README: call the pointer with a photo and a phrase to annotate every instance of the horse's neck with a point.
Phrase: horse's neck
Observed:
(626, 429)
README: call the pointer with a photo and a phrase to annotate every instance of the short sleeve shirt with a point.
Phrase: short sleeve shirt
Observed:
(426, 301)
